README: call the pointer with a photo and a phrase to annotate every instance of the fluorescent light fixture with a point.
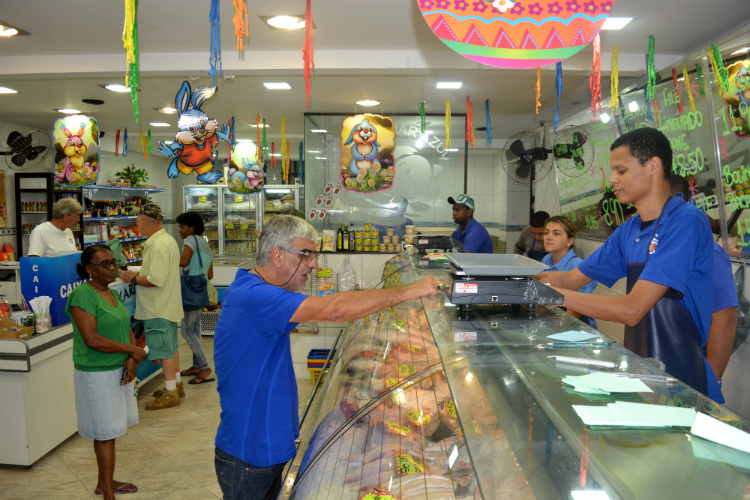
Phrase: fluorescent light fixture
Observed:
(277, 85)
(605, 118)
(116, 87)
(314, 152)
(589, 495)
(318, 131)
(69, 111)
(160, 124)
(633, 106)
(275, 154)
(278, 190)
(452, 150)
(6, 90)
(287, 22)
(740, 51)
(7, 31)
(168, 142)
(320, 157)
(616, 23)
(168, 111)
(368, 102)
(262, 125)
(448, 85)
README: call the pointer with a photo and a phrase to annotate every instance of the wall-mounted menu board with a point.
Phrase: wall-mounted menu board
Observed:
(714, 159)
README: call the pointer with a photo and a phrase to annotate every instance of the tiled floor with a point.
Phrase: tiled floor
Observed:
(168, 455)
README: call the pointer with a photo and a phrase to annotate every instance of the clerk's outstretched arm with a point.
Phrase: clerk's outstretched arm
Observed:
(570, 280)
(628, 309)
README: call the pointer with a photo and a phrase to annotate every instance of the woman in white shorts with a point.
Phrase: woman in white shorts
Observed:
(105, 356)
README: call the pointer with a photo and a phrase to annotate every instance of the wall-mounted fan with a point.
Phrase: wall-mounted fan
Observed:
(26, 149)
(573, 151)
(527, 157)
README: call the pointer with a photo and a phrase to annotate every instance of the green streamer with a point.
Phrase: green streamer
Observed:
(651, 70)
(149, 141)
(699, 78)
(421, 117)
(135, 78)
(265, 146)
(723, 78)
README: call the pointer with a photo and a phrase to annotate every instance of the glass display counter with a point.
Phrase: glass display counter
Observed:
(427, 401)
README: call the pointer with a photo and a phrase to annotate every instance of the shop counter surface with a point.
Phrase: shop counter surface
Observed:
(36, 388)
(425, 401)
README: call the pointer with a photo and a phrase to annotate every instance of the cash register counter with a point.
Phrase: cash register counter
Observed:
(37, 401)
(426, 401)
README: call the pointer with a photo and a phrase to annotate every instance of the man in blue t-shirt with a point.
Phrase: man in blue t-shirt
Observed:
(471, 233)
(665, 251)
(252, 354)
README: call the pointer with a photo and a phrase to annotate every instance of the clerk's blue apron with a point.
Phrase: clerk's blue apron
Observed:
(536, 254)
(668, 333)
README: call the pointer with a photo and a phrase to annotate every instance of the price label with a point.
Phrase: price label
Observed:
(238, 198)
(413, 348)
(398, 429)
(324, 272)
(406, 370)
(230, 226)
(202, 199)
(407, 464)
(400, 325)
(243, 226)
(390, 382)
(450, 409)
(416, 417)
(378, 495)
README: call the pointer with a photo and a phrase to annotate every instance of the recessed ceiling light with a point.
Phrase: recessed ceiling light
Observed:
(318, 131)
(740, 51)
(6, 90)
(277, 86)
(116, 87)
(68, 111)
(262, 125)
(286, 22)
(616, 23)
(160, 124)
(448, 85)
(167, 111)
(368, 102)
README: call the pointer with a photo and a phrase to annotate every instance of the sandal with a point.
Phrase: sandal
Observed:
(198, 380)
(120, 488)
(190, 371)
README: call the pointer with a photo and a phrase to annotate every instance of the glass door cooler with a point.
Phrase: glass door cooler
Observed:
(240, 217)
(206, 201)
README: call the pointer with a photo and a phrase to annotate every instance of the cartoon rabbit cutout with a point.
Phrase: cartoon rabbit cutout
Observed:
(365, 148)
(192, 149)
(76, 168)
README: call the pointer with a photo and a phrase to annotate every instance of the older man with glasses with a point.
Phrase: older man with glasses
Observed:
(54, 238)
(252, 354)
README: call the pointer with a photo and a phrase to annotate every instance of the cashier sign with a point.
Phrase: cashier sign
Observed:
(466, 287)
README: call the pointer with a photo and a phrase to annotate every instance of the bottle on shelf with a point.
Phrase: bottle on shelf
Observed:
(346, 238)
(339, 239)
(352, 239)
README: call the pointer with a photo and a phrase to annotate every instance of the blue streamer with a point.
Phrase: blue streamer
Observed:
(489, 122)
(215, 51)
(234, 137)
(649, 116)
(125, 143)
(301, 162)
(558, 91)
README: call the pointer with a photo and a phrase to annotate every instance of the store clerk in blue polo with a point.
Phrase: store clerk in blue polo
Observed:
(471, 233)
(666, 253)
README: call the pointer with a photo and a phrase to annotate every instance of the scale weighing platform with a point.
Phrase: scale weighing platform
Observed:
(482, 278)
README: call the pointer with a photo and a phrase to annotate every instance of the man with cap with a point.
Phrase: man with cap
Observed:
(158, 302)
(471, 233)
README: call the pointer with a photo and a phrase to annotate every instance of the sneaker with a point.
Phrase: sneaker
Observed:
(166, 400)
(180, 391)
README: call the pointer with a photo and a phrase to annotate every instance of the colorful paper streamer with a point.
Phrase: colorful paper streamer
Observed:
(214, 58)
(558, 92)
(447, 123)
(307, 51)
(686, 80)
(130, 40)
(301, 162)
(614, 101)
(470, 122)
(538, 88)
(488, 133)
(595, 79)
(241, 27)
(677, 89)
(117, 142)
(125, 143)
(651, 86)
(422, 119)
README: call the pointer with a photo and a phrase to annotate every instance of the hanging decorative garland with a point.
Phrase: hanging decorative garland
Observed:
(447, 123)
(125, 143)
(595, 79)
(538, 88)
(214, 58)
(558, 92)
(307, 51)
(241, 27)
(489, 122)
(117, 141)
(130, 39)
(614, 101)
(651, 86)
(469, 122)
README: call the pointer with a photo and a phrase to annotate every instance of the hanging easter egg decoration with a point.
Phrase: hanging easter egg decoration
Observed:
(520, 34)
(245, 174)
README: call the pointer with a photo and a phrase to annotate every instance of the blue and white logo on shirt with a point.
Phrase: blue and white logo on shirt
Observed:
(652, 246)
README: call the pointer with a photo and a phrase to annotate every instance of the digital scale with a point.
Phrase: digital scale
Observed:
(481, 278)
(426, 242)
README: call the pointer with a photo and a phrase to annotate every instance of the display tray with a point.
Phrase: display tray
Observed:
(494, 264)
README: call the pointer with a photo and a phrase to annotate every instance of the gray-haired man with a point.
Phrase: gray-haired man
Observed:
(55, 237)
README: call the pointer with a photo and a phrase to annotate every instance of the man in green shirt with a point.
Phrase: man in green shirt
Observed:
(158, 301)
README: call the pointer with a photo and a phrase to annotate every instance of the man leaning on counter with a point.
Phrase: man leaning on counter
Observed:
(54, 237)
(666, 253)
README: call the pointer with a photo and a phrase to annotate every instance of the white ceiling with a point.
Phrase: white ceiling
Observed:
(380, 50)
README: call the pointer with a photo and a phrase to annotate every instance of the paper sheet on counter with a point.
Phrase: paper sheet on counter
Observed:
(603, 383)
(625, 414)
(573, 336)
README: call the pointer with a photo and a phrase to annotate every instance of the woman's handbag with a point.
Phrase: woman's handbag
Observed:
(194, 288)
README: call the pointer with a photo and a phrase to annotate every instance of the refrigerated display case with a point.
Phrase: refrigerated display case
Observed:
(273, 194)
(426, 400)
(230, 218)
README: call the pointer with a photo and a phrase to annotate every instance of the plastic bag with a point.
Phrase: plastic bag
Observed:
(743, 311)
(347, 276)
(213, 294)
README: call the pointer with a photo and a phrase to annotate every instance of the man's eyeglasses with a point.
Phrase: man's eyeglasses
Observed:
(307, 255)
(105, 264)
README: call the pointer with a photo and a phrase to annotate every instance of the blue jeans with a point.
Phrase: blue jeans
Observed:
(191, 332)
(241, 481)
